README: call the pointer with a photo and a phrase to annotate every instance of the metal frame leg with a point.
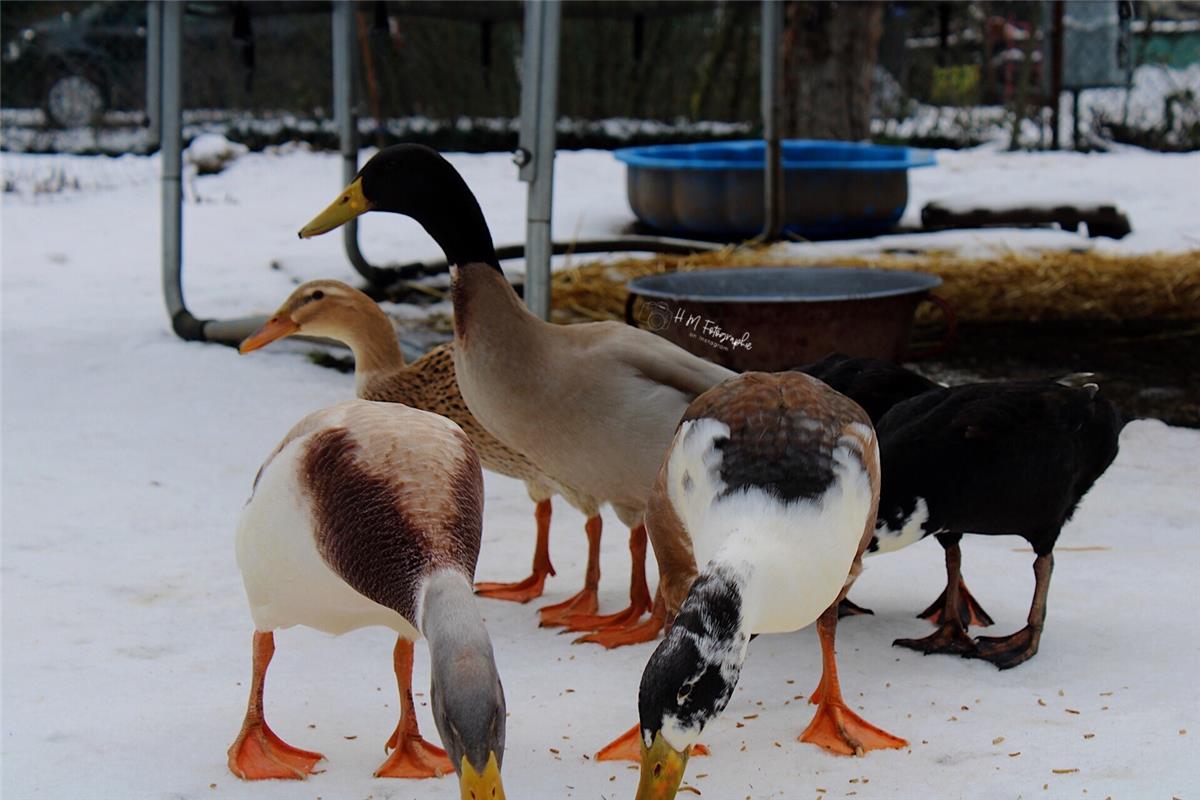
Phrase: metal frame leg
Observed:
(535, 156)
(539, 111)
(169, 112)
(164, 108)
(772, 106)
(154, 33)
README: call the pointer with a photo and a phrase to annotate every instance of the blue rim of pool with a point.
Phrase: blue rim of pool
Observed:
(798, 155)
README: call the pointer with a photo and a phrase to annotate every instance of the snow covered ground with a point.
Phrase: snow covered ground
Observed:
(127, 455)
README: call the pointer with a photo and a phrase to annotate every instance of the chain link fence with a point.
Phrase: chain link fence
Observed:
(447, 73)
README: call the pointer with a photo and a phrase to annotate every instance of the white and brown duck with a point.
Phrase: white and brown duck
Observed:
(369, 514)
(333, 310)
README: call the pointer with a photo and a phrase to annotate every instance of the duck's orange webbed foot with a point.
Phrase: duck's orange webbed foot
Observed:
(628, 747)
(620, 637)
(631, 634)
(839, 730)
(599, 622)
(532, 587)
(521, 591)
(586, 602)
(258, 754)
(639, 593)
(413, 757)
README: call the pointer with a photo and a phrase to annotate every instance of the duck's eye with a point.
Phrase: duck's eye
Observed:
(318, 295)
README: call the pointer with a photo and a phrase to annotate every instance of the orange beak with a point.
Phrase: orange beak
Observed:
(276, 328)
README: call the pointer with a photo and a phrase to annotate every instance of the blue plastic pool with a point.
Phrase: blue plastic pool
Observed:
(716, 189)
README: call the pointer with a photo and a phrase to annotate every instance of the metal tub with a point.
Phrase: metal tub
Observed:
(774, 318)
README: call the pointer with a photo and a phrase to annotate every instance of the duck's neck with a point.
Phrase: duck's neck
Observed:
(707, 642)
(452, 216)
(373, 341)
(450, 621)
(467, 698)
(483, 297)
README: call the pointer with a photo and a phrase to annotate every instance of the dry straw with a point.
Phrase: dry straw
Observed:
(1007, 287)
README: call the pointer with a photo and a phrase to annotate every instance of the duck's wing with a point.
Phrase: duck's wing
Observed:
(1024, 410)
(659, 361)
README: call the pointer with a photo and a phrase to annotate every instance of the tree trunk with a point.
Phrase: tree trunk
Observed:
(830, 51)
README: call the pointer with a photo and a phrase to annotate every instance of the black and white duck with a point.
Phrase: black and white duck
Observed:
(993, 459)
(759, 517)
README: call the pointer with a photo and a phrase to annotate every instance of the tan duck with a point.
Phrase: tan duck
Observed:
(369, 514)
(593, 405)
(333, 310)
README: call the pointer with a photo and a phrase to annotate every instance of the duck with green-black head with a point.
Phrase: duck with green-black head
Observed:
(592, 405)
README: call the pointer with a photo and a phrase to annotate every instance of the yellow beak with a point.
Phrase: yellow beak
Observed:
(348, 205)
(481, 786)
(276, 328)
(662, 770)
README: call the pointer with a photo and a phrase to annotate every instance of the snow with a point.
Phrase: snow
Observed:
(127, 456)
(211, 152)
(1143, 106)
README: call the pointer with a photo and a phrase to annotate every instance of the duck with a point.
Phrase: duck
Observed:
(996, 459)
(592, 405)
(369, 514)
(764, 504)
(335, 310)
(877, 386)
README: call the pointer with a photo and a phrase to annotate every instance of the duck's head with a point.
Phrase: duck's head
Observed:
(468, 708)
(325, 308)
(417, 182)
(688, 682)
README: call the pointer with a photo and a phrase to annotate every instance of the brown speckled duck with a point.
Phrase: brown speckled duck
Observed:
(333, 310)
(369, 514)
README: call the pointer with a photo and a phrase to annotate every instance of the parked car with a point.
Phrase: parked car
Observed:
(76, 66)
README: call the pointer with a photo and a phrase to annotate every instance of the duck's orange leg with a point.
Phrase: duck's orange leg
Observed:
(835, 727)
(628, 747)
(646, 631)
(525, 590)
(412, 756)
(257, 753)
(639, 593)
(587, 600)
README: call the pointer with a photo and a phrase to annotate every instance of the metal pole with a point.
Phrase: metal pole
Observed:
(154, 32)
(772, 107)
(347, 119)
(535, 156)
(1056, 74)
(171, 156)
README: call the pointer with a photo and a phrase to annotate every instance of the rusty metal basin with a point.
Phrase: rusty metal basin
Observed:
(774, 318)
